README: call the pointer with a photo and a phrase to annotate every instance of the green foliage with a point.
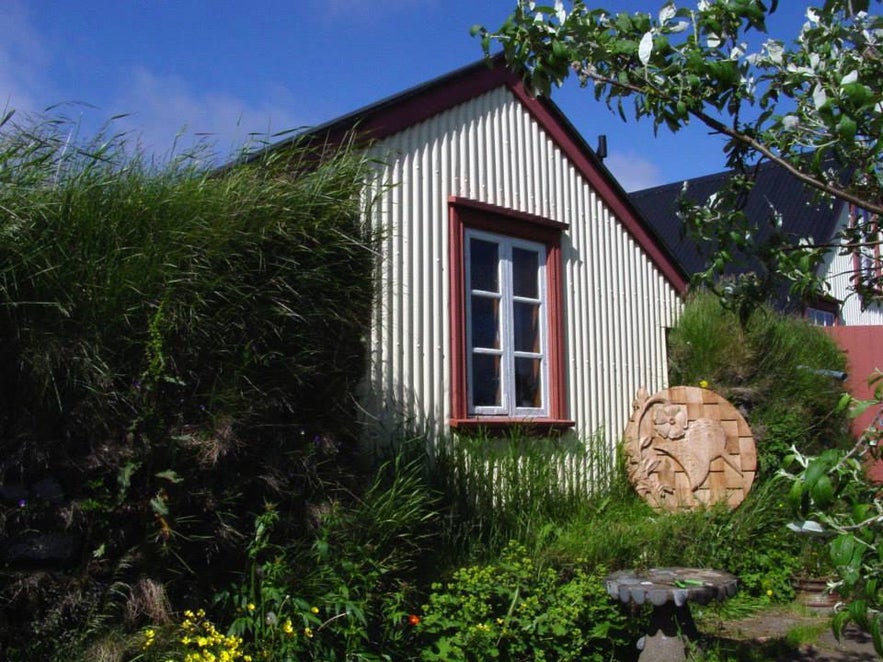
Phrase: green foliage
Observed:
(179, 345)
(514, 610)
(772, 368)
(838, 506)
(751, 541)
(498, 489)
(811, 104)
(346, 593)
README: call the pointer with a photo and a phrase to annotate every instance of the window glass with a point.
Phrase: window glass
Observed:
(483, 264)
(485, 322)
(820, 317)
(486, 380)
(525, 272)
(528, 392)
(527, 326)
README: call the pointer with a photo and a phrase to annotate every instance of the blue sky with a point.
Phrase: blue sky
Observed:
(228, 68)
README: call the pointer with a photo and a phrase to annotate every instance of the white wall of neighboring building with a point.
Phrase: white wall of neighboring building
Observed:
(838, 271)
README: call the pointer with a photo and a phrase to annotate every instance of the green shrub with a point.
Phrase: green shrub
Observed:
(513, 609)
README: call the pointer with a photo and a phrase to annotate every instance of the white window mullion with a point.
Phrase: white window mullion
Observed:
(508, 332)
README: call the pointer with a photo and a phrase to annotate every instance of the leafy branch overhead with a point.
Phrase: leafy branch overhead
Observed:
(812, 104)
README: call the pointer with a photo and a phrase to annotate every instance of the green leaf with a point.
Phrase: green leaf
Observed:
(875, 634)
(839, 621)
(843, 549)
(846, 128)
(815, 470)
(822, 492)
(159, 506)
(170, 476)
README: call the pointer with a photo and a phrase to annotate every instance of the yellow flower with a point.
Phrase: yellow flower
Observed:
(308, 633)
(769, 592)
(250, 606)
(287, 627)
(703, 383)
(315, 610)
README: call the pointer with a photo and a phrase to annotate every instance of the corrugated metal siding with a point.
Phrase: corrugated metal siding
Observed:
(617, 304)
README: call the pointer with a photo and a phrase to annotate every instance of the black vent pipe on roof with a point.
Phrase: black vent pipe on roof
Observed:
(602, 147)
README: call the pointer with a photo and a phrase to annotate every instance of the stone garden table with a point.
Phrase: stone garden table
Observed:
(670, 591)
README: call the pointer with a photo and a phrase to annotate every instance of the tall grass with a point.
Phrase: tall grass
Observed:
(177, 345)
(516, 487)
(772, 369)
(125, 283)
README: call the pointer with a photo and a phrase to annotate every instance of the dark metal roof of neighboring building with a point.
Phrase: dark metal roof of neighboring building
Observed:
(803, 214)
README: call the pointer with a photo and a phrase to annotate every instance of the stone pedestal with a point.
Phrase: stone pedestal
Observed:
(670, 591)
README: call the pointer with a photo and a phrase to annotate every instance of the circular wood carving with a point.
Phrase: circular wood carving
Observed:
(688, 447)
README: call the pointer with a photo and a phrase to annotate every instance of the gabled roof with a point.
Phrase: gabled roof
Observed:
(398, 112)
(802, 213)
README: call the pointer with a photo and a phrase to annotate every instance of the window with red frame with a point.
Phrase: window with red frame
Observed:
(506, 319)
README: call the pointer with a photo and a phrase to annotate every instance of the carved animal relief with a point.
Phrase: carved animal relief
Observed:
(687, 446)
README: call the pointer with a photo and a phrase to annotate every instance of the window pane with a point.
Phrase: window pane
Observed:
(525, 272)
(527, 332)
(483, 261)
(485, 322)
(485, 380)
(527, 383)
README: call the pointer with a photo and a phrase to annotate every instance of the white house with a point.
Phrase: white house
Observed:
(518, 283)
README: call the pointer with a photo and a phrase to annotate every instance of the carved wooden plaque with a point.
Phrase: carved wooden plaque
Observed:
(688, 447)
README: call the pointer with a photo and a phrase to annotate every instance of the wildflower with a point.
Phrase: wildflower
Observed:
(287, 627)
(769, 592)
(314, 610)
(413, 619)
(149, 637)
(250, 606)
(703, 383)
(308, 633)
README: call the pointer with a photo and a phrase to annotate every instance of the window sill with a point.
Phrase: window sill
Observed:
(499, 424)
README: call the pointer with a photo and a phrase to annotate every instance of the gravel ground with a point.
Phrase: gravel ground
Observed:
(766, 635)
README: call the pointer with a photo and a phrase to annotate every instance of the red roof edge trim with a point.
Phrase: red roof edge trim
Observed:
(603, 183)
(423, 102)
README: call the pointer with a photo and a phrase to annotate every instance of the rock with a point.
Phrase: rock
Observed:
(43, 549)
(49, 490)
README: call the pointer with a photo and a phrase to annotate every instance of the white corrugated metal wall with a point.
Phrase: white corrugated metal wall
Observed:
(617, 304)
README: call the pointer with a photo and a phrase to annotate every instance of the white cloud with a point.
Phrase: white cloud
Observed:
(633, 171)
(23, 60)
(165, 113)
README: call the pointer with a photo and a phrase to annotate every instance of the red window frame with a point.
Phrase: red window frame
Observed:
(465, 214)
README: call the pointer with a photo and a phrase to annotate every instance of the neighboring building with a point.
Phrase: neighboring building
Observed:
(518, 284)
(801, 214)
(857, 325)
